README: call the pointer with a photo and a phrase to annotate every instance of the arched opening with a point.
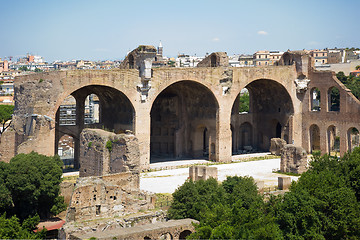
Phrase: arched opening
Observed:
(268, 114)
(213, 60)
(184, 234)
(166, 236)
(66, 147)
(334, 99)
(333, 141)
(93, 106)
(314, 138)
(183, 122)
(92, 110)
(315, 99)
(131, 61)
(353, 138)
(147, 238)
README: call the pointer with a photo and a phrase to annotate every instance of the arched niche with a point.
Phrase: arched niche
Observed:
(315, 99)
(314, 133)
(333, 99)
(353, 138)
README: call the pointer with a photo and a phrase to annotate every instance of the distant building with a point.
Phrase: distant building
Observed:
(275, 57)
(4, 66)
(334, 56)
(246, 60)
(320, 56)
(184, 60)
(262, 58)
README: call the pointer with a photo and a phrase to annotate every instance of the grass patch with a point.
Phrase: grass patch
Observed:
(287, 173)
(163, 200)
(71, 179)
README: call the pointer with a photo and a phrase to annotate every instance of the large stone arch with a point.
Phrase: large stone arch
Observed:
(182, 115)
(269, 101)
(117, 114)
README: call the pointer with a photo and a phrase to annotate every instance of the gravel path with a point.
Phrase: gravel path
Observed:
(166, 181)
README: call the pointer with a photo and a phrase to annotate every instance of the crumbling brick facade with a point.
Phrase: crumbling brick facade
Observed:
(194, 112)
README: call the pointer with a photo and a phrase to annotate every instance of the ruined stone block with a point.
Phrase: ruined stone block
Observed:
(284, 183)
(293, 159)
(202, 173)
(103, 152)
(107, 196)
(276, 145)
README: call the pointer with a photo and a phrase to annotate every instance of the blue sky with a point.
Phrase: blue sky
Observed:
(108, 29)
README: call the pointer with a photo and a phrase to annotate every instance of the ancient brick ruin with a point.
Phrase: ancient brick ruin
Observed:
(182, 113)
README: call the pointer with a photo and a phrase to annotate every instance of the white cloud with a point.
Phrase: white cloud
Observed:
(262, 33)
(215, 39)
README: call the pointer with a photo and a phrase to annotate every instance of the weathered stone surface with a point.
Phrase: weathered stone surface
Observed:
(215, 59)
(107, 196)
(293, 159)
(173, 229)
(143, 99)
(276, 145)
(106, 224)
(66, 190)
(284, 183)
(103, 152)
(202, 173)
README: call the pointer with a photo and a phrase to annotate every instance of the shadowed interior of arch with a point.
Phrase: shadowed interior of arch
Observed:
(183, 122)
(268, 115)
(93, 106)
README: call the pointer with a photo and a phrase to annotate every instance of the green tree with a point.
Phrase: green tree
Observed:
(33, 183)
(6, 112)
(11, 228)
(23, 68)
(357, 67)
(38, 70)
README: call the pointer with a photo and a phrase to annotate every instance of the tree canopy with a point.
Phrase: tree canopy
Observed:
(351, 82)
(29, 185)
(6, 112)
(323, 204)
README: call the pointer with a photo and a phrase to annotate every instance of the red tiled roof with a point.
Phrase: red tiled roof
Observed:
(50, 225)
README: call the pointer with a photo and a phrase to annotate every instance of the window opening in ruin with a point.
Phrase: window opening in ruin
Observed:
(98, 208)
(315, 99)
(314, 138)
(66, 150)
(147, 238)
(205, 143)
(334, 99)
(353, 138)
(131, 61)
(92, 109)
(333, 141)
(213, 60)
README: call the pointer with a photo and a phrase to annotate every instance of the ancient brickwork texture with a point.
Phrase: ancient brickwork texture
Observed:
(293, 159)
(216, 59)
(202, 173)
(173, 229)
(107, 196)
(103, 152)
(276, 145)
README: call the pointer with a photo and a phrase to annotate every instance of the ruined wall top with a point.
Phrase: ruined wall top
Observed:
(137, 56)
(304, 63)
(215, 59)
